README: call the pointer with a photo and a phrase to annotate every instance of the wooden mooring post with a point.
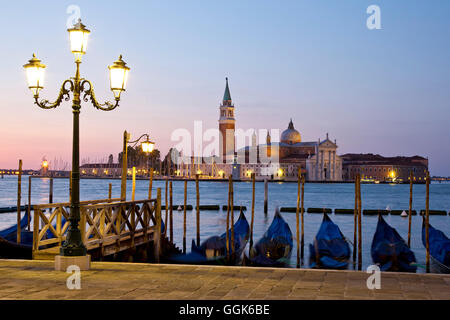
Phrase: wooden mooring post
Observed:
(166, 207)
(359, 225)
(19, 195)
(171, 211)
(110, 192)
(133, 189)
(29, 204)
(50, 192)
(411, 176)
(253, 211)
(150, 184)
(427, 221)
(266, 195)
(302, 216)
(227, 236)
(355, 222)
(184, 216)
(157, 241)
(297, 215)
(198, 208)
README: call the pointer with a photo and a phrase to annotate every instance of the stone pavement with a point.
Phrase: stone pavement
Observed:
(25, 279)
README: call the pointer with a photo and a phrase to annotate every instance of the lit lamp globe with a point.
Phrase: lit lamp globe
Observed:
(118, 76)
(78, 36)
(147, 146)
(35, 71)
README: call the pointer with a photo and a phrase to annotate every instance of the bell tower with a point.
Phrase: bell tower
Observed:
(227, 126)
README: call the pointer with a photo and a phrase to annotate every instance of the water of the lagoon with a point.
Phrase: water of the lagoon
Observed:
(280, 194)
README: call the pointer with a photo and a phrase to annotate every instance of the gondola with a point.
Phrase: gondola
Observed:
(213, 250)
(390, 251)
(9, 248)
(330, 249)
(439, 248)
(275, 247)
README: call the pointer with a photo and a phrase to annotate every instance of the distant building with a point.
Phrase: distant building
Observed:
(384, 169)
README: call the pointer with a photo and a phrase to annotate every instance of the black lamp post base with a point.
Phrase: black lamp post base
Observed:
(73, 246)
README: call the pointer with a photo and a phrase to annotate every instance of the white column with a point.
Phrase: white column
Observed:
(321, 165)
(329, 165)
(334, 165)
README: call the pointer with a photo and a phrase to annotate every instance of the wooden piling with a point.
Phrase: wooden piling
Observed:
(166, 220)
(411, 176)
(227, 237)
(266, 192)
(355, 221)
(171, 211)
(110, 192)
(427, 220)
(232, 218)
(157, 242)
(302, 215)
(29, 203)
(297, 215)
(253, 211)
(50, 192)
(133, 189)
(184, 216)
(19, 195)
(150, 184)
(198, 209)
(359, 226)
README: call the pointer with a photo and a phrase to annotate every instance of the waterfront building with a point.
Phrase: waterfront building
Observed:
(384, 169)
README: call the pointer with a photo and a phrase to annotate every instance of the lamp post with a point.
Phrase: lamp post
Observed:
(147, 147)
(81, 88)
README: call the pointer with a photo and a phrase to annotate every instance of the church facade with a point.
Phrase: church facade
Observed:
(317, 160)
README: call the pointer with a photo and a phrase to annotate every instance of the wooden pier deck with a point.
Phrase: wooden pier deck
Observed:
(36, 279)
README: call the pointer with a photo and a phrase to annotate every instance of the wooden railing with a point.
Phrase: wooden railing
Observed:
(110, 225)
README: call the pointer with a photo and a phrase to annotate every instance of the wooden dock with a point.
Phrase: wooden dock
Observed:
(35, 279)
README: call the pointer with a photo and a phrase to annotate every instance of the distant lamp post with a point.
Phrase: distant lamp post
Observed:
(147, 147)
(81, 88)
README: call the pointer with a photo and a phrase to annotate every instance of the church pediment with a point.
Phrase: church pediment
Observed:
(327, 144)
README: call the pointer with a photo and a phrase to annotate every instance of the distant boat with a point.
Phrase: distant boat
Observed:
(439, 248)
(213, 250)
(330, 249)
(275, 247)
(390, 251)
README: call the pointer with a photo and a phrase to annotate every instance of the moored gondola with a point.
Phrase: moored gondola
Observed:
(439, 248)
(330, 249)
(214, 250)
(275, 247)
(9, 248)
(390, 251)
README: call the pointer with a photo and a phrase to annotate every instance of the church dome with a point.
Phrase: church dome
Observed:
(290, 135)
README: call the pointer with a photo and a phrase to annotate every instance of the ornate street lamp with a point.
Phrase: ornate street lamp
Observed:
(147, 147)
(81, 88)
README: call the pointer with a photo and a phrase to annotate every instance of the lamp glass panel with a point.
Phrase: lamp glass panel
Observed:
(78, 41)
(35, 78)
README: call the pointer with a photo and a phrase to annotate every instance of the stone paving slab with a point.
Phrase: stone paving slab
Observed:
(32, 279)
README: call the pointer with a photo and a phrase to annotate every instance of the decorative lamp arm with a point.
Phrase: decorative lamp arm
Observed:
(63, 94)
(89, 91)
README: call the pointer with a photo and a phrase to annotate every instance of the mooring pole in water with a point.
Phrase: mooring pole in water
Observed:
(198, 208)
(184, 216)
(355, 221)
(297, 215)
(410, 207)
(359, 225)
(266, 191)
(133, 189)
(157, 242)
(171, 211)
(302, 215)
(19, 195)
(232, 218)
(123, 178)
(150, 184)
(29, 203)
(166, 220)
(110, 192)
(50, 192)
(253, 210)
(427, 220)
(228, 218)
